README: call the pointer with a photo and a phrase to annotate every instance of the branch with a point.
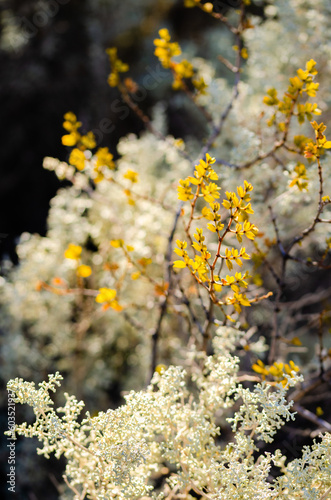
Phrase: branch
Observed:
(308, 415)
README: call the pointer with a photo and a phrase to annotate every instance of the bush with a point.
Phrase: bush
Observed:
(218, 302)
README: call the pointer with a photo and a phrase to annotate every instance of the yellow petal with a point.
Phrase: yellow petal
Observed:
(180, 264)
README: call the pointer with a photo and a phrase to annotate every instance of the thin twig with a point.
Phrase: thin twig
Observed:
(228, 64)
(319, 422)
(315, 382)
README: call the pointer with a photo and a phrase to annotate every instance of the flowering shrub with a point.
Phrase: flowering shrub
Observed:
(169, 433)
(110, 293)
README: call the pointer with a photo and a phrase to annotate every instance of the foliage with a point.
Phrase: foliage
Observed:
(116, 454)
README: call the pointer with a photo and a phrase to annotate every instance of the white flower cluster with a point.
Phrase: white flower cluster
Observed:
(78, 215)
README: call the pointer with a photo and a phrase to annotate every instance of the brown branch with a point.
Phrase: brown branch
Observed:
(209, 322)
(308, 415)
(228, 64)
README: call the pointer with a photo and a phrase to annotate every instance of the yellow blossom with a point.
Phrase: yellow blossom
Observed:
(164, 49)
(88, 141)
(71, 125)
(184, 190)
(131, 175)
(117, 243)
(105, 295)
(77, 159)
(160, 369)
(104, 158)
(70, 139)
(117, 66)
(84, 271)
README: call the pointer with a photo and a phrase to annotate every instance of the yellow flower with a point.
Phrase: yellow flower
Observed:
(210, 192)
(117, 66)
(319, 411)
(104, 158)
(244, 53)
(184, 69)
(70, 122)
(117, 243)
(77, 159)
(184, 190)
(84, 271)
(200, 85)
(164, 49)
(105, 295)
(70, 139)
(71, 125)
(73, 252)
(88, 140)
(160, 369)
(260, 367)
(70, 117)
(131, 175)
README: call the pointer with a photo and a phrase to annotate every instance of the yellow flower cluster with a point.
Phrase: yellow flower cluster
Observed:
(71, 125)
(74, 252)
(314, 150)
(107, 297)
(299, 84)
(74, 138)
(85, 142)
(104, 159)
(131, 175)
(238, 204)
(243, 51)
(300, 177)
(183, 69)
(203, 175)
(277, 371)
(120, 244)
(165, 50)
(117, 67)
